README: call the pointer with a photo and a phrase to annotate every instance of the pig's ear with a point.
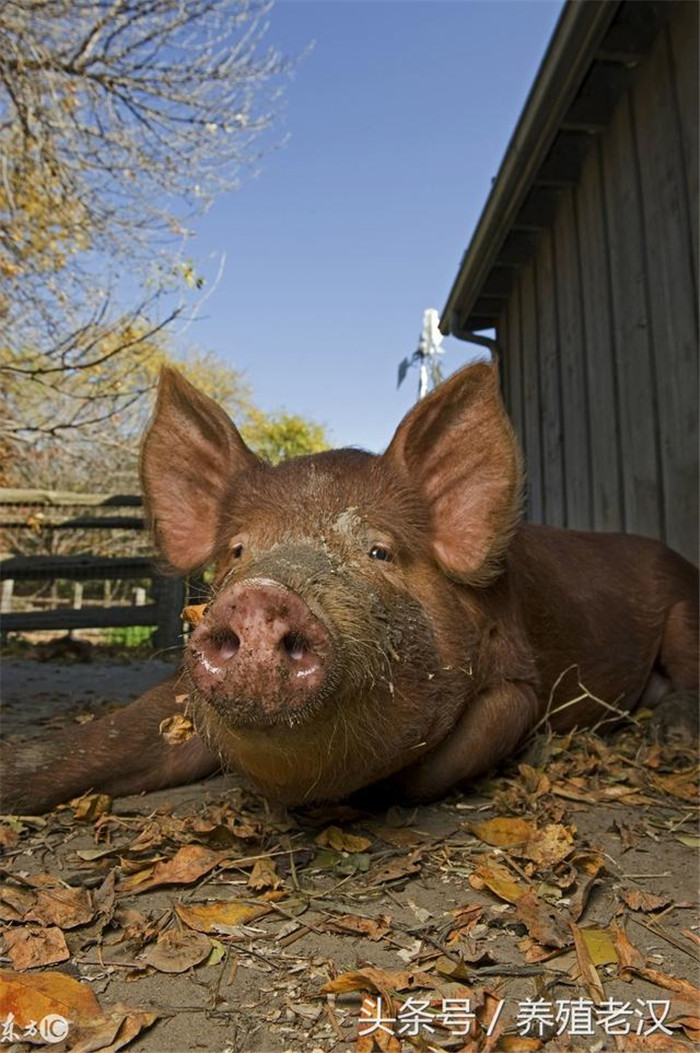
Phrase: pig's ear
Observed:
(189, 456)
(458, 448)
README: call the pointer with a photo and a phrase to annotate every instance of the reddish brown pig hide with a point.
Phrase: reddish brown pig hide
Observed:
(375, 622)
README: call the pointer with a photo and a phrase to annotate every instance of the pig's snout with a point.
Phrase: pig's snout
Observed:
(260, 653)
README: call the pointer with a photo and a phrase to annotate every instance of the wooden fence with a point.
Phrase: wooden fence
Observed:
(39, 511)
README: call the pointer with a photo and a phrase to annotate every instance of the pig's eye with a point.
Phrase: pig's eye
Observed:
(379, 552)
(237, 550)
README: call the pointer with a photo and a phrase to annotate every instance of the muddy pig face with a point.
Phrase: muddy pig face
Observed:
(339, 641)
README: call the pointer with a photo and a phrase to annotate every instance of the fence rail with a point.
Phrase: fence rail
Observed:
(13, 496)
(23, 509)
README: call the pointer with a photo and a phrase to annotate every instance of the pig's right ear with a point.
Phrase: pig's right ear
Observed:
(458, 448)
(189, 456)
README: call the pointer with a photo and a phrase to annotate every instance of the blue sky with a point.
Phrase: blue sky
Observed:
(397, 122)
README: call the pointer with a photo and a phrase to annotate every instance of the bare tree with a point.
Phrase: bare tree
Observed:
(86, 378)
(119, 119)
(103, 457)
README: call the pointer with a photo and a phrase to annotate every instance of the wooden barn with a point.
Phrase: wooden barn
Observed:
(585, 262)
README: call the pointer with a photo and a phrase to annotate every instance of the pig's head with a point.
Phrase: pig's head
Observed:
(342, 638)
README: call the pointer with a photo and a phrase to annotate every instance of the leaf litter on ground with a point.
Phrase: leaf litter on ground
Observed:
(243, 886)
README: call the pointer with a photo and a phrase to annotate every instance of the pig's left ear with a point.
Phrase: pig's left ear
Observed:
(458, 448)
(191, 456)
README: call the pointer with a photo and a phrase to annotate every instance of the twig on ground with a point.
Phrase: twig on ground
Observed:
(666, 935)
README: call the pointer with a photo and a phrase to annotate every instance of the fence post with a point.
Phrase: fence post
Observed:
(8, 587)
(170, 599)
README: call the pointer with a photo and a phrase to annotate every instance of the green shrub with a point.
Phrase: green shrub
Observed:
(130, 636)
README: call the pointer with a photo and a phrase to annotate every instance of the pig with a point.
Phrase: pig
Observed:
(379, 625)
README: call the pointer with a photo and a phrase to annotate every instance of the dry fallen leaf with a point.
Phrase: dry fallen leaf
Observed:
(544, 923)
(194, 613)
(187, 865)
(380, 980)
(493, 875)
(669, 983)
(466, 918)
(626, 794)
(30, 947)
(570, 790)
(177, 950)
(628, 957)
(588, 866)
(112, 1030)
(683, 785)
(9, 834)
(137, 928)
(534, 780)
(400, 837)
(600, 946)
(38, 995)
(655, 1043)
(149, 837)
(587, 969)
(340, 841)
(223, 916)
(373, 1041)
(264, 875)
(43, 881)
(15, 902)
(104, 897)
(645, 901)
(373, 928)
(176, 729)
(65, 907)
(488, 1007)
(467, 915)
(627, 835)
(369, 979)
(453, 970)
(692, 936)
(685, 1013)
(535, 952)
(501, 832)
(549, 845)
(397, 868)
(588, 862)
(91, 806)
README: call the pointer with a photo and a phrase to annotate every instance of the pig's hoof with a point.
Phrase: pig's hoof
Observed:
(676, 720)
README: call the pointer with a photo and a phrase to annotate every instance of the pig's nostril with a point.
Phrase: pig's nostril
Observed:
(225, 643)
(295, 646)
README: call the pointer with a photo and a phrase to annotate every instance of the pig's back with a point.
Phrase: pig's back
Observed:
(599, 603)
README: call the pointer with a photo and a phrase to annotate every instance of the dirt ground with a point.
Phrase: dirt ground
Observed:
(554, 908)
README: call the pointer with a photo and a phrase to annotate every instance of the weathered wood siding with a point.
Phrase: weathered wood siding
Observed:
(600, 335)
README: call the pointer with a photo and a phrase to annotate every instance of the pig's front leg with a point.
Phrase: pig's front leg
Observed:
(489, 730)
(119, 754)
